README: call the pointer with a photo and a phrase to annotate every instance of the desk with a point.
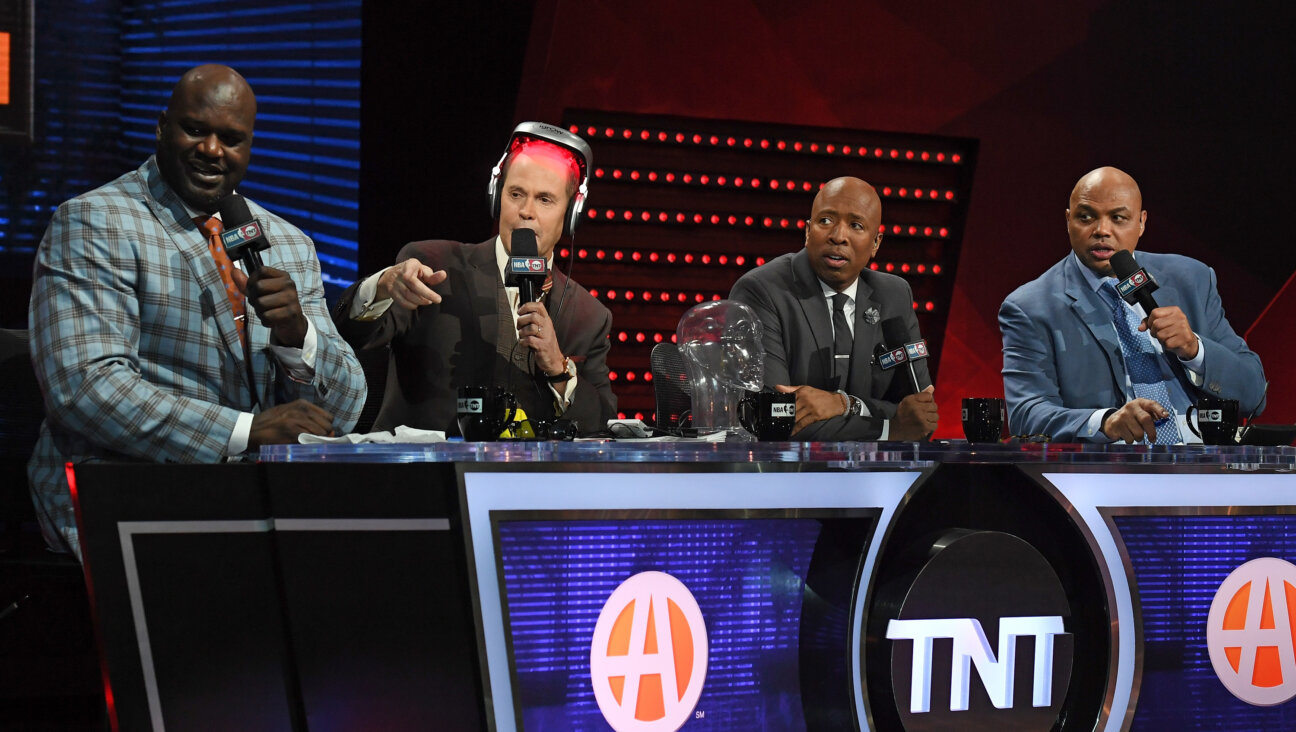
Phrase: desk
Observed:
(458, 586)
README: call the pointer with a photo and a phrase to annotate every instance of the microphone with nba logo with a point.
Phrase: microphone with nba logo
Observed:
(243, 237)
(894, 335)
(1136, 285)
(527, 270)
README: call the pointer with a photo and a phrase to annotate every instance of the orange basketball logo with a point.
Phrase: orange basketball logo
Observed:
(1251, 629)
(648, 657)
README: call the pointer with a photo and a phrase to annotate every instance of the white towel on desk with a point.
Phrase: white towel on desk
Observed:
(403, 435)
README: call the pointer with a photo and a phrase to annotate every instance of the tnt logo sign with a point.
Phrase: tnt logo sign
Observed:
(1251, 632)
(648, 658)
(972, 650)
(783, 410)
(250, 231)
(470, 406)
(1211, 415)
(979, 641)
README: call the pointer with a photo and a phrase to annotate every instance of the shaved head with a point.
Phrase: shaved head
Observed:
(1111, 181)
(852, 187)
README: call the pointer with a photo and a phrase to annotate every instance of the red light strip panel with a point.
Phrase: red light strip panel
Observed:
(723, 260)
(696, 218)
(707, 139)
(676, 297)
(757, 183)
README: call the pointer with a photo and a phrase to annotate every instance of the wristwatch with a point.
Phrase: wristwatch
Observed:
(856, 405)
(568, 372)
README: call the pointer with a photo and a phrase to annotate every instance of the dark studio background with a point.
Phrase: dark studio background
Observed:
(1191, 99)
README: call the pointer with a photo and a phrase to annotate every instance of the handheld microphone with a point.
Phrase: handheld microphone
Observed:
(527, 270)
(243, 237)
(1136, 284)
(895, 332)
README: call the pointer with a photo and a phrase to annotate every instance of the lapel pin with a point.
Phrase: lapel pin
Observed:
(871, 316)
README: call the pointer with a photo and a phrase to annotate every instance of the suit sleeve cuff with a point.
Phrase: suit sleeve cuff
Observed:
(363, 307)
(1093, 428)
(299, 363)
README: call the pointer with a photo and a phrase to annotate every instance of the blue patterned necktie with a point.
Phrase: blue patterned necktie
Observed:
(1141, 364)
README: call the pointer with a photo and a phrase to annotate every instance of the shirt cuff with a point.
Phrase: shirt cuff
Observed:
(363, 307)
(564, 395)
(1093, 428)
(238, 442)
(886, 430)
(1194, 367)
(299, 363)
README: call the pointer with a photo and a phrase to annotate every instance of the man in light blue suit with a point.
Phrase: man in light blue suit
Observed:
(1064, 370)
(139, 337)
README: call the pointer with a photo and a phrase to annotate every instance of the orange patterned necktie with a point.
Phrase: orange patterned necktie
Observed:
(225, 266)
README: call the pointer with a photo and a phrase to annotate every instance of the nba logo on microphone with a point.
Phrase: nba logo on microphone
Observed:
(1251, 632)
(648, 658)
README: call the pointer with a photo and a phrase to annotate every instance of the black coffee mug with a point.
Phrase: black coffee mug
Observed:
(768, 415)
(1217, 420)
(984, 419)
(484, 412)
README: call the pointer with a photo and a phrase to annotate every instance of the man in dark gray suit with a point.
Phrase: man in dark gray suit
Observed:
(821, 310)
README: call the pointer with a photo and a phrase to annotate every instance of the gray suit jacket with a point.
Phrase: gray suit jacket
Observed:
(135, 346)
(787, 297)
(1062, 359)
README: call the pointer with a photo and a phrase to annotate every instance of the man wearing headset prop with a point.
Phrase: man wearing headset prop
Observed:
(453, 318)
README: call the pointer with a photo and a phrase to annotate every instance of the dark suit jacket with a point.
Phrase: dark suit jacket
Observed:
(1062, 359)
(438, 348)
(794, 314)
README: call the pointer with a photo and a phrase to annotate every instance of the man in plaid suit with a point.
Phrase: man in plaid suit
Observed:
(134, 316)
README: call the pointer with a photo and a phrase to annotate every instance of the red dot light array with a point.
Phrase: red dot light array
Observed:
(758, 183)
(718, 260)
(631, 377)
(636, 415)
(631, 336)
(744, 142)
(618, 294)
(695, 218)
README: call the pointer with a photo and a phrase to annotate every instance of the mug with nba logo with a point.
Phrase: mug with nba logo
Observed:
(984, 419)
(484, 412)
(768, 415)
(1216, 422)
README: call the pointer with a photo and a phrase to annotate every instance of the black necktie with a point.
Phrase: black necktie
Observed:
(843, 341)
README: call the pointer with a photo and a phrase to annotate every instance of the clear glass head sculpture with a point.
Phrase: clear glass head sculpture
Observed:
(724, 356)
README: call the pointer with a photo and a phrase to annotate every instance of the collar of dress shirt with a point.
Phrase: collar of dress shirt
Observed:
(195, 214)
(848, 292)
(1091, 277)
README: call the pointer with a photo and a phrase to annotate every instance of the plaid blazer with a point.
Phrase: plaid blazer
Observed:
(134, 342)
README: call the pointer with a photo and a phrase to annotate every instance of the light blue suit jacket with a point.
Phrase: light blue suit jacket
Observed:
(135, 346)
(1062, 359)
